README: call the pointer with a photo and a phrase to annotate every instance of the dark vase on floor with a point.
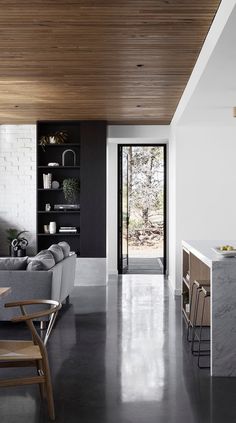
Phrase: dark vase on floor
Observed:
(12, 251)
(21, 252)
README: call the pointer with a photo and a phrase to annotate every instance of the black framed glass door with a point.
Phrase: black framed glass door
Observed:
(142, 208)
(123, 215)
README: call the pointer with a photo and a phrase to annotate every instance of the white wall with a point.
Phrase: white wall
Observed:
(205, 188)
(18, 182)
(138, 133)
(172, 210)
(209, 95)
(202, 194)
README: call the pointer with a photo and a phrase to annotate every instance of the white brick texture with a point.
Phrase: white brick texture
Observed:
(18, 183)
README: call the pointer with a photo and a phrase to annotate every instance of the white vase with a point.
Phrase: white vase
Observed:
(52, 140)
(52, 227)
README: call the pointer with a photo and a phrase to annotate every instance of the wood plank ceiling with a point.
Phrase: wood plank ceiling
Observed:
(125, 61)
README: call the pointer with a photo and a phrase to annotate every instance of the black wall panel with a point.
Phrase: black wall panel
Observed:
(93, 189)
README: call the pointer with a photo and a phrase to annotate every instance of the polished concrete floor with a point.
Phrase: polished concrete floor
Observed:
(145, 265)
(119, 355)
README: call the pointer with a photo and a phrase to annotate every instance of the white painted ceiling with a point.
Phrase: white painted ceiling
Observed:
(214, 96)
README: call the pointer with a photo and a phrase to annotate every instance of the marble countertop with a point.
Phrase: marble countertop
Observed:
(203, 250)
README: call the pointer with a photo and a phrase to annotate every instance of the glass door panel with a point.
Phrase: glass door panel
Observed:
(123, 215)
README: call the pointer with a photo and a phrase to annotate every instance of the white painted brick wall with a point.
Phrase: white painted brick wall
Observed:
(18, 182)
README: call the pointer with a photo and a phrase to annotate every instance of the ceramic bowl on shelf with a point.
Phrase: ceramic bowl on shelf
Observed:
(53, 164)
(55, 185)
(225, 253)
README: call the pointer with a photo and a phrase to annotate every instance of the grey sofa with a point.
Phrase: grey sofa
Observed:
(56, 283)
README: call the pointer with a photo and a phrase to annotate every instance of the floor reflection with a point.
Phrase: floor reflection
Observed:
(142, 339)
(119, 355)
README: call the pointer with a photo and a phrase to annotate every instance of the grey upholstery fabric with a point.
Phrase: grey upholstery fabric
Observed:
(24, 286)
(57, 252)
(56, 284)
(13, 263)
(44, 260)
(35, 265)
(68, 275)
(65, 248)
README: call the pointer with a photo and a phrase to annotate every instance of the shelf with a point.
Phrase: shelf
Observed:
(74, 144)
(49, 189)
(88, 140)
(64, 234)
(186, 282)
(58, 211)
(46, 155)
(58, 167)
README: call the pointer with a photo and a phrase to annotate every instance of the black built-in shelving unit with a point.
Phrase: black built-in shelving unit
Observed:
(88, 140)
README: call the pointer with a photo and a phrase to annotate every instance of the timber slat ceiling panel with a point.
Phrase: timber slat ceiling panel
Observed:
(124, 61)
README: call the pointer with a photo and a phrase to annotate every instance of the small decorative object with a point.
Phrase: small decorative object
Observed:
(53, 164)
(67, 207)
(55, 184)
(52, 227)
(47, 180)
(47, 207)
(52, 140)
(46, 229)
(64, 157)
(21, 252)
(16, 242)
(71, 189)
(58, 137)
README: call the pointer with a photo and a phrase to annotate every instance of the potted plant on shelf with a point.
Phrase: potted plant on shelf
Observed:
(58, 137)
(17, 243)
(70, 188)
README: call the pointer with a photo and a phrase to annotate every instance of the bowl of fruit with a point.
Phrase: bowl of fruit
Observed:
(225, 250)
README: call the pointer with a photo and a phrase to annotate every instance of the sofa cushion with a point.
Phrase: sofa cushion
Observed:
(35, 265)
(57, 252)
(44, 260)
(65, 248)
(13, 263)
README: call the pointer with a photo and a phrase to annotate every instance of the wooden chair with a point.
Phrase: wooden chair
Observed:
(31, 353)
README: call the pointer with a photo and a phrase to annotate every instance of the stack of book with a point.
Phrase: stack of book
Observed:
(66, 229)
(66, 207)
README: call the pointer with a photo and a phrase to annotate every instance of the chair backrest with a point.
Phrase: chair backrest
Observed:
(29, 318)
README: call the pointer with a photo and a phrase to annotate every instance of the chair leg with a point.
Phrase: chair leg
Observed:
(50, 326)
(48, 388)
(195, 320)
(43, 325)
(190, 305)
(190, 324)
(40, 373)
(200, 340)
(188, 333)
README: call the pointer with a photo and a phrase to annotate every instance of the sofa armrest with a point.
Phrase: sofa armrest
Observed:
(56, 273)
(68, 276)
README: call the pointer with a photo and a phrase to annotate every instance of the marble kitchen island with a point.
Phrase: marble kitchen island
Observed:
(204, 264)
